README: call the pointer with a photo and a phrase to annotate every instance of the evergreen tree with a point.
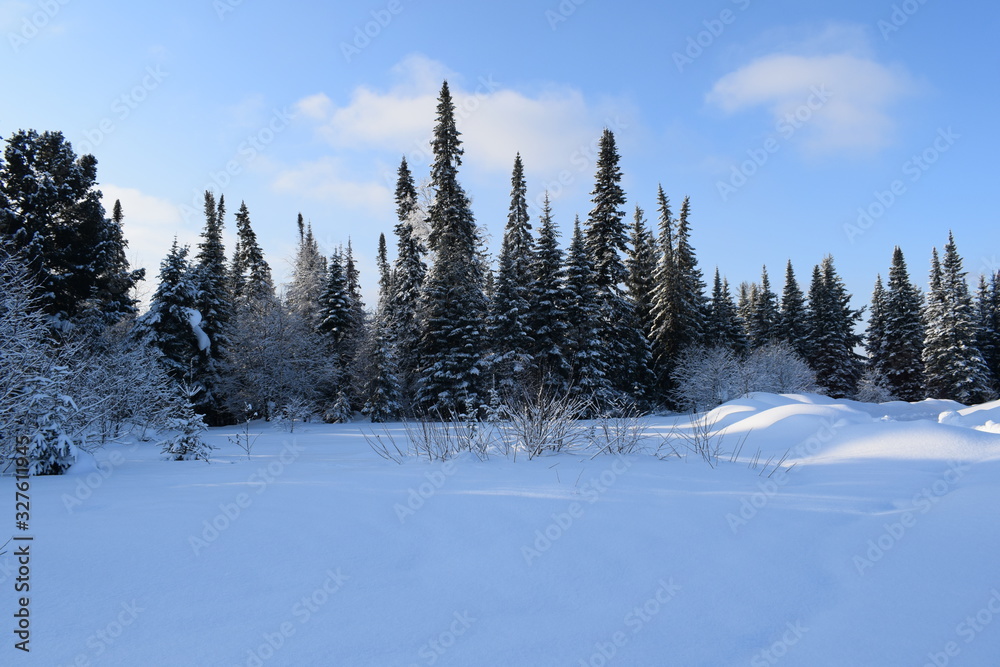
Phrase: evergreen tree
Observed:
(308, 277)
(408, 274)
(509, 313)
(902, 361)
(831, 336)
(548, 307)
(641, 265)
(988, 301)
(792, 327)
(214, 303)
(953, 366)
(249, 274)
(606, 240)
(640, 282)
(337, 308)
(173, 324)
(52, 215)
(875, 333)
(590, 369)
(452, 347)
(380, 389)
(723, 327)
(762, 322)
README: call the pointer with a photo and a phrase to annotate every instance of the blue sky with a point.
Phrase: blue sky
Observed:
(797, 129)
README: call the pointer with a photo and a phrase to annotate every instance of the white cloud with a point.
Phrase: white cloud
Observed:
(327, 179)
(857, 116)
(150, 226)
(548, 127)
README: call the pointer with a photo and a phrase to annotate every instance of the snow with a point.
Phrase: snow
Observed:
(195, 320)
(877, 548)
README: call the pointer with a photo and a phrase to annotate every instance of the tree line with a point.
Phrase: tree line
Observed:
(620, 315)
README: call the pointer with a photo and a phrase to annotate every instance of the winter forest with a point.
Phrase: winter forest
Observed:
(619, 318)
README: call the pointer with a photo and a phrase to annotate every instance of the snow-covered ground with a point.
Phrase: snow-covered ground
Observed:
(881, 546)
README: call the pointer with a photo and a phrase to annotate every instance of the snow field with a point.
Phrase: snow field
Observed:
(878, 547)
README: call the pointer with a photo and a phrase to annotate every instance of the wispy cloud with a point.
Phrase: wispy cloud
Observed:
(858, 116)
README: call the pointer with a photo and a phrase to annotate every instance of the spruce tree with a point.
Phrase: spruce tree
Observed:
(640, 282)
(988, 302)
(453, 342)
(664, 307)
(606, 240)
(408, 274)
(214, 303)
(875, 334)
(792, 327)
(590, 370)
(52, 215)
(381, 391)
(173, 324)
(902, 361)
(763, 318)
(722, 324)
(249, 273)
(831, 336)
(308, 277)
(953, 366)
(548, 307)
(509, 325)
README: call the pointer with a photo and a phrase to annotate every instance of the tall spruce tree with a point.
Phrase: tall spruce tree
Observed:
(249, 273)
(381, 391)
(875, 332)
(792, 326)
(640, 283)
(548, 307)
(831, 338)
(953, 366)
(214, 303)
(309, 277)
(902, 360)
(408, 274)
(590, 368)
(606, 241)
(453, 342)
(988, 302)
(509, 326)
(52, 215)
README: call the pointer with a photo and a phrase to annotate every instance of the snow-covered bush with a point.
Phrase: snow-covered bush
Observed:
(186, 428)
(709, 376)
(706, 377)
(540, 422)
(873, 387)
